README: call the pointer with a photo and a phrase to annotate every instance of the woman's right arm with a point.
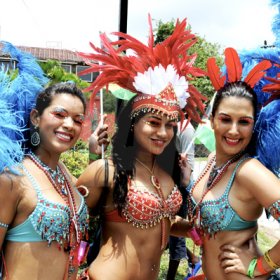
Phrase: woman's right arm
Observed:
(9, 199)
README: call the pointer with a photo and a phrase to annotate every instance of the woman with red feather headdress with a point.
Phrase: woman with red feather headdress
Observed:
(137, 187)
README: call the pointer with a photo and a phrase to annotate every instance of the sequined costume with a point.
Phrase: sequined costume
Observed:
(49, 221)
(145, 209)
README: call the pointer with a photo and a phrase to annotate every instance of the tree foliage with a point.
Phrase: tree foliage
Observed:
(56, 73)
(201, 48)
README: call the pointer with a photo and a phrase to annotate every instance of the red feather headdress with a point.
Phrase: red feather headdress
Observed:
(234, 70)
(158, 74)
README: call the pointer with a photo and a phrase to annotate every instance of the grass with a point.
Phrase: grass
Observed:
(264, 242)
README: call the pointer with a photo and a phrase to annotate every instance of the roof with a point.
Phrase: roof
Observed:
(62, 55)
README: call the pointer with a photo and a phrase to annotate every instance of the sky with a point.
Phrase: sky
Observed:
(72, 24)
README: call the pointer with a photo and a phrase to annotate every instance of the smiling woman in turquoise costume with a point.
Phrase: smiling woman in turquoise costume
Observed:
(43, 217)
(229, 196)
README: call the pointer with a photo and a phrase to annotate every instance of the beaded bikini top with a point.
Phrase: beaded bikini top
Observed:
(146, 209)
(218, 215)
(49, 221)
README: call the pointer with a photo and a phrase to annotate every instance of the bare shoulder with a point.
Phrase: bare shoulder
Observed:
(10, 184)
(94, 174)
(254, 176)
(252, 168)
(10, 194)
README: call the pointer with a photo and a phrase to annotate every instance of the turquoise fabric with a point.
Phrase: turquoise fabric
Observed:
(218, 215)
(49, 221)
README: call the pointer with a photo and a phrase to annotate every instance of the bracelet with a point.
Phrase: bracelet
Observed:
(260, 267)
(269, 261)
(93, 156)
(4, 225)
(251, 268)
(83, 191)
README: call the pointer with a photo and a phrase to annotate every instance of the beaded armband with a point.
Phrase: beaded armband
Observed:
(4, 225)
(274, 210)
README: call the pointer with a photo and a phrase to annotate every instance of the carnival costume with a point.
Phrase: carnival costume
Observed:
(157, 76)
(49, 221)
(213, 216)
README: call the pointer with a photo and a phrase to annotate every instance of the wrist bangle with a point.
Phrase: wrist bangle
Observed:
(260, 267)
(93, 156)
(251, 268)
(269, 261)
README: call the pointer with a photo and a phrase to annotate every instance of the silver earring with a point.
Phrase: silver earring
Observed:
(35, 137)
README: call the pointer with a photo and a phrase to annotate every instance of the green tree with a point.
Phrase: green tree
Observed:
(56, 73)
(201, 48)
(109, 102)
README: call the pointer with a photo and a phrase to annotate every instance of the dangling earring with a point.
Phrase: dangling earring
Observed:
(35, 137)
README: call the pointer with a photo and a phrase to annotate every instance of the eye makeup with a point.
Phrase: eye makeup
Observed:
(61, 113)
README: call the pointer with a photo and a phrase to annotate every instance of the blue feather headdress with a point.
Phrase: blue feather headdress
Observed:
(267, 127)
(18, 95)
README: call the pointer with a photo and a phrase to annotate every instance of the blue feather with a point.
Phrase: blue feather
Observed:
(267, 129)
(252, 57)
(276, 22)
(18, 96)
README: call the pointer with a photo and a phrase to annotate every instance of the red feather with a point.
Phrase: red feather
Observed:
(233, 64)
(215, 74)
(117, 67)
(257, 73)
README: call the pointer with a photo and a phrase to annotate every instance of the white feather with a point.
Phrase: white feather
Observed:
(153, 81)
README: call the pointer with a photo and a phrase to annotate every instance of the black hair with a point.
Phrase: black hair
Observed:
(238, 89)
(44, 100)
(45, 97)
(124, 151)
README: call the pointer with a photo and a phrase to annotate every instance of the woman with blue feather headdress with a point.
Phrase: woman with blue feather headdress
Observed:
(43, 217)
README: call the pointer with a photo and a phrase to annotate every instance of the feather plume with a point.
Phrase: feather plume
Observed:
(121, 69)
(251, 58)
(233, 64)
(257, 73)
(215, 74)
(267, 131)
(18, 94)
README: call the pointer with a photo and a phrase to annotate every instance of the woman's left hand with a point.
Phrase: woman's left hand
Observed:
(186, 170)
(234, 259)
(98, 138)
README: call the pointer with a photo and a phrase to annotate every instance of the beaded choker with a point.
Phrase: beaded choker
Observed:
(56, 176)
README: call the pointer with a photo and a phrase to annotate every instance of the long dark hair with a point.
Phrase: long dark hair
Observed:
(239, 89)
(124, 151)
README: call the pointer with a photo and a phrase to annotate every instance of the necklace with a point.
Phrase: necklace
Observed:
(194, 214)
(215, 171)
(56, 176)
(73, 240)
(155, 182)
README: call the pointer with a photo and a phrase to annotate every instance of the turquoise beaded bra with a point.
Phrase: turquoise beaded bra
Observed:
(218, 215)
(49, 221)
